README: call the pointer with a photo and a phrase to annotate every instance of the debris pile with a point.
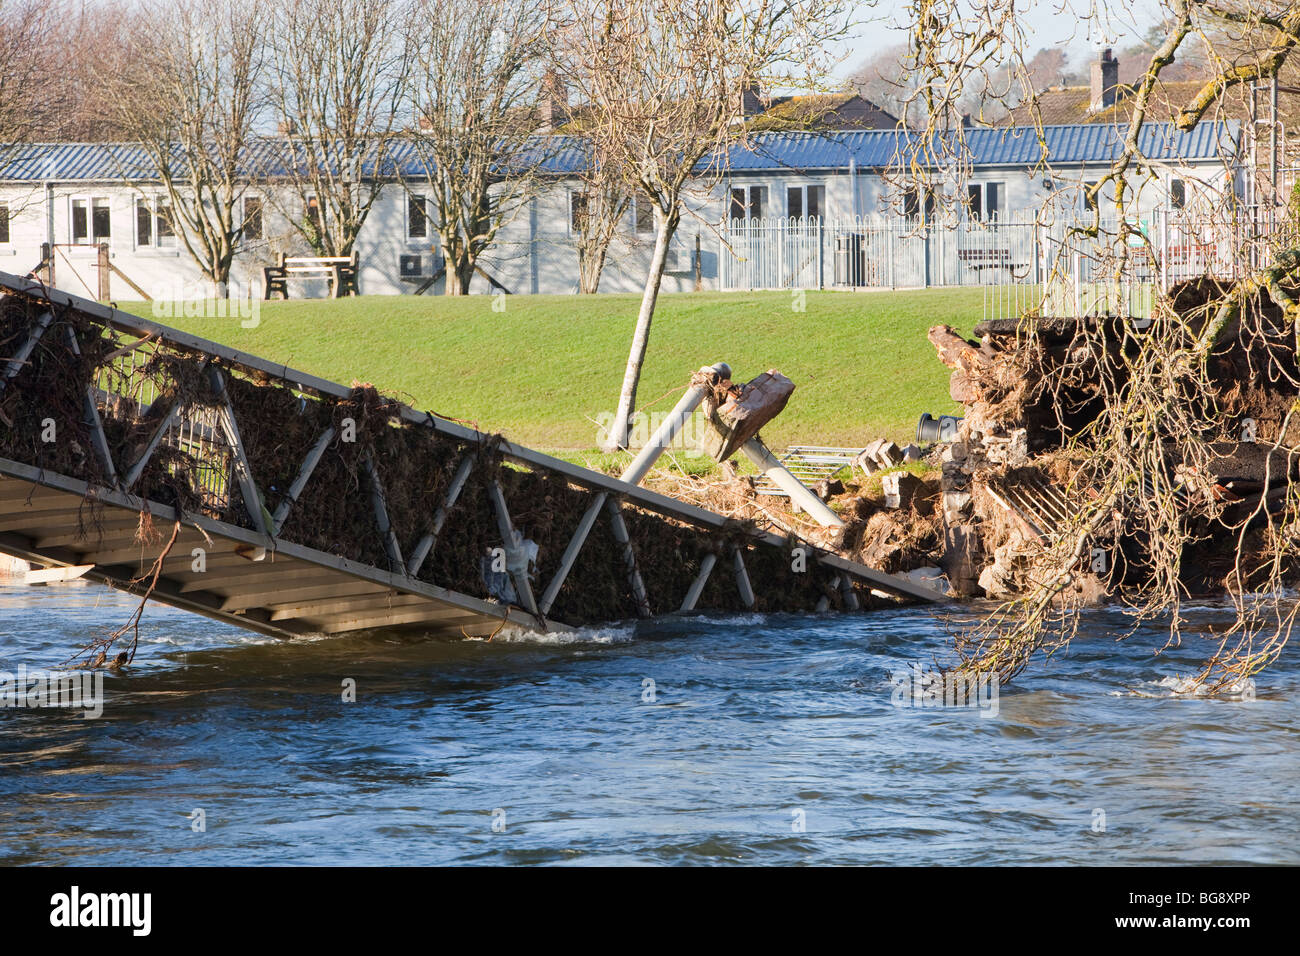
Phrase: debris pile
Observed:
(1008, 484)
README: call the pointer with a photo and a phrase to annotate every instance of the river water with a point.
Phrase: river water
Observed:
(762, 740)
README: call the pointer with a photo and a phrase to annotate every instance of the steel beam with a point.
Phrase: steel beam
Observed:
(634, 580)
(304, 475)
(571, 552)
(523, 587)
(743, 584)
(19, 359)
(697, 586)
(426, 543)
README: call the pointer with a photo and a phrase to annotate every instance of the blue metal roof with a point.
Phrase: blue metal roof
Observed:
(1013, 146)
(766, 152)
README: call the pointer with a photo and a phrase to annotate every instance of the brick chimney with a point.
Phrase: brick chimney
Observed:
(1105, 82)
(751, 103)
(552, 103)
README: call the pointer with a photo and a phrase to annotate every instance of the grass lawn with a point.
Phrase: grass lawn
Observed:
(547, 367)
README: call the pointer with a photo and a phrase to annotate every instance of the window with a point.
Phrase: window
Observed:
(101, 220)
(80, 223)
(643, 215)
(577, 212)
(417, 218)
(985, 201)
(1089, 200)
(92, 221)
(747, 202)
(252, 218)
(153, 224)
(143, 223)
(1177, 194)
(918, 203)
(166, 228)
(4, 223)
(801, 201)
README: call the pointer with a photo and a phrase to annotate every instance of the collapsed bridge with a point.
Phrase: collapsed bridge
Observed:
(218, 482)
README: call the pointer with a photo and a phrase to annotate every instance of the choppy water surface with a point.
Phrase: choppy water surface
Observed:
(759, 724)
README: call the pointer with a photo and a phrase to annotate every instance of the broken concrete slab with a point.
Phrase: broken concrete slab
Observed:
(899, 487)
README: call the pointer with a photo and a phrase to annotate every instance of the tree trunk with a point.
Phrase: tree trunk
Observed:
(460, 277)
(618, 435)
(590, 266)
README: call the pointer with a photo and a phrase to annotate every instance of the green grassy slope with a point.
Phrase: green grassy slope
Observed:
(545, 368)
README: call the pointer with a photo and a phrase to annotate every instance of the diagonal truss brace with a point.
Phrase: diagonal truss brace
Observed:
(304, 475)
(385, 526)
(24, 352)
(244, 474)
(425, 544)
(523, 587)
(579, 538)
(90, 412)
(697, 586)
(629, 557)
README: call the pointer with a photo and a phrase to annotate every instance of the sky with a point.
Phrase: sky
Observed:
(1047, 21)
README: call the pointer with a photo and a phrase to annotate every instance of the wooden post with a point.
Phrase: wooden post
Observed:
(105, 274)
(47, 263)
(699, 268)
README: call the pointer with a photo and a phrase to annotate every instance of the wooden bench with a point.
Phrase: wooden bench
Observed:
(985, 258)
(341, 271)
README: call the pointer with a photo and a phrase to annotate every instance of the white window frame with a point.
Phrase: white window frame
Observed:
(1088, 206)
(765, 201)
(927, 202)
(1000, 213)
(1182, 182)
(568, 212)
(636, 204)
(243, 217)
(406, 216)
(803, 188)
(91, 241)
(156, 241)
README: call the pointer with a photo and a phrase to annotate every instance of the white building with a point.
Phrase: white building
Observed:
(780, 196)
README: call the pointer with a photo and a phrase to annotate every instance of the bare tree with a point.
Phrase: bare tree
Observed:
(337, 80)
(602, 203)
(476, 78)
(192, 103)
(24, 24)
(663, 85)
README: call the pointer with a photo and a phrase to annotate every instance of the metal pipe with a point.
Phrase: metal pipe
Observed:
(771, 466)
(663, 437)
